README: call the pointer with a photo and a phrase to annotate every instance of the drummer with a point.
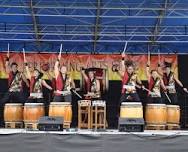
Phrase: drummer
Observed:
(130, 81)
(155, 84)
(92, 84)
(36, 84)
(64, 84)
(15, 83)
(170, 81)
(15, 86)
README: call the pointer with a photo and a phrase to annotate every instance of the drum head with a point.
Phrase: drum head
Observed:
(84, 101)
(60, 103)
(155, 105)
(131, 103)
(99, 103)
(34, 104)
(173, 106)
(13, 104)
(99, 100)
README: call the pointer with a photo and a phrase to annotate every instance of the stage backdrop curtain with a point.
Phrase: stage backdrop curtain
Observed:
(74, 62)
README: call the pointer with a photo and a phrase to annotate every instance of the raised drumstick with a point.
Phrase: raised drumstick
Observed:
(159, 56)
(61, 48)
(125, 47)
(8, 52)
(24, 54)
(149, 55)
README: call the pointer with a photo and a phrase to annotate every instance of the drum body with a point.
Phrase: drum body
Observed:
(131, 110)
(61, 109)
(13, 112)
(173, 114)
(156, 114)
(32, 112)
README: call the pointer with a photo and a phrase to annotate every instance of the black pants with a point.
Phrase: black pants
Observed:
(10, 97)
(130, 97)
(35, 100)
(67, 98)
(155, 100)
(173, 97)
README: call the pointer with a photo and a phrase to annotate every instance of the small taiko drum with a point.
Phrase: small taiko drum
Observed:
(173, 114)
(156, 114)
(84, 103)
(99, 103)
(61, 109)
(131, 110)
(13, 112)
(33, 112)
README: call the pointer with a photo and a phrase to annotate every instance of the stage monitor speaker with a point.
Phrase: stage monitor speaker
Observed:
(131, 124)
(50, 123)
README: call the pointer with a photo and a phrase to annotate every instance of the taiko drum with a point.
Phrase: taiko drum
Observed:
(61, 109)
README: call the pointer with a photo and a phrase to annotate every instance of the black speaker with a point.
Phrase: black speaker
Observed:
(131, 124)
(50, 123)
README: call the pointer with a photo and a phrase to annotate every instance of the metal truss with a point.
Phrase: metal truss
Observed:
(76, 24)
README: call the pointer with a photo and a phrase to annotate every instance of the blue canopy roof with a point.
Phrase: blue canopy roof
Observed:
(96, 26)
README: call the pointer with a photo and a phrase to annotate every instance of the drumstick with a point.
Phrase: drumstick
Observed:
(8, 47)
(149, 55)
(77, 94)
(125, 47)
(185, 91)
(167, 97)
(61, 47)
(147, 90)
(159, 56)
(8, 50)
(24, 53)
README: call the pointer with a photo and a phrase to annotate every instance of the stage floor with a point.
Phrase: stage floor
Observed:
(21, 140)
(92, 132)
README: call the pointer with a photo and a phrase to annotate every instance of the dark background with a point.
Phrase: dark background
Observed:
(113, 95)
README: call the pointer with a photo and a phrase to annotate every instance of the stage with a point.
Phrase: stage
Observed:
(21, 140)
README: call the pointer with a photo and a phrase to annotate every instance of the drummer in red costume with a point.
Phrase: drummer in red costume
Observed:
(15, 86)
(155, 84)
(170, 81)
(36, 84)
(63, 83)
(15, 83)
(130, 82)
(92, 84)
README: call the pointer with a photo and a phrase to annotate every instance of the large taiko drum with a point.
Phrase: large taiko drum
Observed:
(33, 112)
(173, 114)
(61, 109)
(131, 110)
(13, 112)
(156, 114)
